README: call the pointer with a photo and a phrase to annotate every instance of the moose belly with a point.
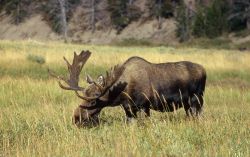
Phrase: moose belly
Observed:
(168, 102)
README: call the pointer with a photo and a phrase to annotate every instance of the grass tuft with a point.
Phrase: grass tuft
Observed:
(36, 59)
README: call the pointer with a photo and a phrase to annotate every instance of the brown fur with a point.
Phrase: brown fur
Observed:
(143, 86)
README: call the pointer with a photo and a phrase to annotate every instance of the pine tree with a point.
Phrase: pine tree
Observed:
(17, 9)
(211, 21)
(122, 13)
(199, 23)
(216, 18)
(240, 15)
(161, 9)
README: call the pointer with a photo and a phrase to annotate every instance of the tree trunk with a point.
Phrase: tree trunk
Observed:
(159, 16)
(130, 2)
(18, 14)
(63, 19)
(248, 23)
(187, 26)
(93, 16)
(159, 22)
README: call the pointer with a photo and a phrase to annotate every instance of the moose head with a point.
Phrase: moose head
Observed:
(94, 97)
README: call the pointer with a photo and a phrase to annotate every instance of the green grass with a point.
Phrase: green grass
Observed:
(205, 43)
(35, 114)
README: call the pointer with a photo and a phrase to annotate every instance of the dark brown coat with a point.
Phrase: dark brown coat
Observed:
(143, 86)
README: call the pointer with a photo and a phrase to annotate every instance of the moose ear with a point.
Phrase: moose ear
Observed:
(101, 80)
(89, 80)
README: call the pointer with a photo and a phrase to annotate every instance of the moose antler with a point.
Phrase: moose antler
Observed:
(74, 71)
(113, 76)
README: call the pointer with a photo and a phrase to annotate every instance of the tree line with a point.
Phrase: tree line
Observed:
(211, 21)
(193, 20)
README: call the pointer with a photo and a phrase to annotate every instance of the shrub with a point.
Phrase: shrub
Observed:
(211, 21)
(239, 15)
(36, 59)
(133, 42)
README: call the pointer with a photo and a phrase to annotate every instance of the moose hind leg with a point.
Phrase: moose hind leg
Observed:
(147, 111)
(194, 106)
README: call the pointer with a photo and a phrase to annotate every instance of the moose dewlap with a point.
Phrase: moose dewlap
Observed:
(136, 85)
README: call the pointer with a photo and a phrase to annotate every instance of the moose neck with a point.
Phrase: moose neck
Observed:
(113, 96)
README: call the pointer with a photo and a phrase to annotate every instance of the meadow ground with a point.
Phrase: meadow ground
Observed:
(35, 114)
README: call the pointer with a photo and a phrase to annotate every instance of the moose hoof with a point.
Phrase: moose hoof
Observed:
(130, 120)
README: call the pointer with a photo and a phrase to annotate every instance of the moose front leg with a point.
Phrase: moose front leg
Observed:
(147, 111)
(131, 113)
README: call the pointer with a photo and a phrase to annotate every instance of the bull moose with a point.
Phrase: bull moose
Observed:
(136, 85)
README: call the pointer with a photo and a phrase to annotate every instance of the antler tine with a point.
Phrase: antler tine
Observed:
(59, 78)
(51, 73)
(76, 58)
(67, 62)
(76, 54)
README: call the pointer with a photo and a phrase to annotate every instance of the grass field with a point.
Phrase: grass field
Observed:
(35, 114)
